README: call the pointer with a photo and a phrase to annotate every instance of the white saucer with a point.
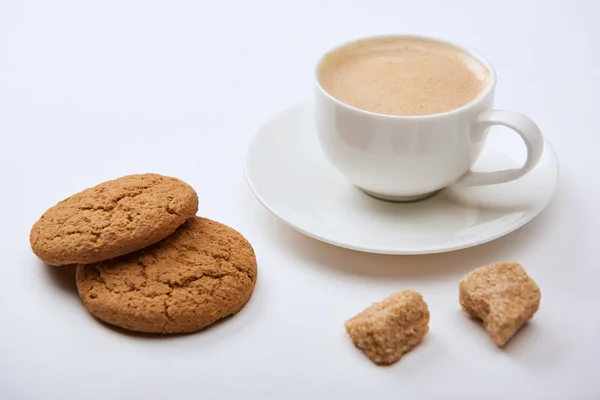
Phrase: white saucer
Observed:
(290, 177)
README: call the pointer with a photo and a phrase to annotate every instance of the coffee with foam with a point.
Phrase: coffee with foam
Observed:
(402, 76)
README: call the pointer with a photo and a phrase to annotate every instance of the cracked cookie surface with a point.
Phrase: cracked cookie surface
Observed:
(203, 272)
(113, 218)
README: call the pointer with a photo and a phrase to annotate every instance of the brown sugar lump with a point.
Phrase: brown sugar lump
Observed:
(385, 331)
(203, 272)
(502, 296)
(113, 218)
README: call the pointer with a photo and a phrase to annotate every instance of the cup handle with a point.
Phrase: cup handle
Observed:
(529, 132)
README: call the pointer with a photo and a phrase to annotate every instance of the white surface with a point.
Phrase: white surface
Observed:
(410, 157)
(94, 90)
(289, 174)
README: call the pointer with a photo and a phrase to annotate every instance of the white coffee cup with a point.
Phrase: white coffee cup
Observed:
(405, 158)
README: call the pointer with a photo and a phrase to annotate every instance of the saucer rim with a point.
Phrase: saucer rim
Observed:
(528, 217)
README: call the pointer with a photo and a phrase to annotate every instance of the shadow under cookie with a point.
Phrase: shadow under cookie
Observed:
(62, 277)
(164, 336)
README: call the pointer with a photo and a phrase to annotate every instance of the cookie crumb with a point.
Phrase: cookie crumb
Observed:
(385, 331)
(502, 296)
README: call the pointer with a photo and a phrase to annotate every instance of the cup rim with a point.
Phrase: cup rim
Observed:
(490, 86)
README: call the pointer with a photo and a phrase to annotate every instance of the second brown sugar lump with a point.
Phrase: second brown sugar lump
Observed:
(503, 296)
(387, 330)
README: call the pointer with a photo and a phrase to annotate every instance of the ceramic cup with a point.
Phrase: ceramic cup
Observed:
(405, 158)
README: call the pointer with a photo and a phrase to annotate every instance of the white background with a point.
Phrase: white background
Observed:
(92, 90)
